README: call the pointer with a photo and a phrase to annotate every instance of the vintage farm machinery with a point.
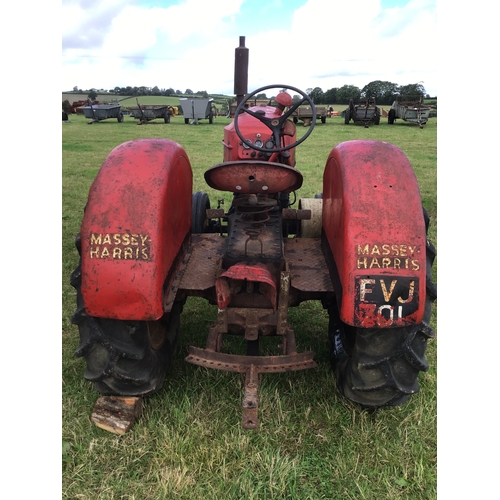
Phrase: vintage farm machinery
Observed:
(362, 112)
(410, 109)
(147, 243)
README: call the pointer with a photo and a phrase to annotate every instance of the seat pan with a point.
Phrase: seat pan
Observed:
(253, 177)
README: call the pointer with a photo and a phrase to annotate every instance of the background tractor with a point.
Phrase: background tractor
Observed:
(148, 243)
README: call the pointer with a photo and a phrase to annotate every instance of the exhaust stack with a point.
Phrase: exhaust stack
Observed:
(240, 71)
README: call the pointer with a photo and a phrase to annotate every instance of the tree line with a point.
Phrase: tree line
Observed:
(383, 92)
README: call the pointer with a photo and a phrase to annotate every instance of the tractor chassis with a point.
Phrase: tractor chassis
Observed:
(305, 277)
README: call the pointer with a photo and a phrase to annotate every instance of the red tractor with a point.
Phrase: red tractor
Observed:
(147, 243)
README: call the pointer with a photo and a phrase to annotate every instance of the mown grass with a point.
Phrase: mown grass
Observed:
(189, 444)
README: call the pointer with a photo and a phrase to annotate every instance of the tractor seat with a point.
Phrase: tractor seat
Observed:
(253, 177)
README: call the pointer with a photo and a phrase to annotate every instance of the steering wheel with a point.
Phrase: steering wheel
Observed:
(274, 124)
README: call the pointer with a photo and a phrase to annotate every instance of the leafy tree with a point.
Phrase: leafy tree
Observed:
(75, 89)
(412, 89)
(262, 95)
(330, 96)
(178, 92)
(92, 95)
(382, 91)
(188, 92)
(155, 91)
(316, 95)
(170, 91)
(347, 92)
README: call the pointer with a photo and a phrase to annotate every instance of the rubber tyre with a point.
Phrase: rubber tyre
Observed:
(120, 118)
(347, 116)
(125, 358)
(391, 117)
(378, 367)
(323, 119)
(186, 121)
(200, 204)
(167, 117)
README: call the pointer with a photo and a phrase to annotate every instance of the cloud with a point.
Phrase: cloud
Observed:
(191, 44)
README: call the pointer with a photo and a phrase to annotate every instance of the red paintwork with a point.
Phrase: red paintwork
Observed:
(371, 197)
(253, 177)
(257, 273)
(254, 129)
(141, 199)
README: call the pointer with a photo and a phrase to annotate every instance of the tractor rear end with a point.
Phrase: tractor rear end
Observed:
(147, 244)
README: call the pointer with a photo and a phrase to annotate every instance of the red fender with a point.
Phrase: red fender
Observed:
(373, 223)
(137, 217)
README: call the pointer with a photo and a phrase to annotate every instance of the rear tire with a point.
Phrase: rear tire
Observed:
(125, 358)
(347, 116)
(391, 117)
(377, 367)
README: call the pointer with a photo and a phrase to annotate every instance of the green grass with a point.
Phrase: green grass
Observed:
(189, 444)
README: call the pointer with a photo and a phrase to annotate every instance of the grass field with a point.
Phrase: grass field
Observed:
(189, 444)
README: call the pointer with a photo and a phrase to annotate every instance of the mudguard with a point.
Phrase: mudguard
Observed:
(374, 228)
(137, 217)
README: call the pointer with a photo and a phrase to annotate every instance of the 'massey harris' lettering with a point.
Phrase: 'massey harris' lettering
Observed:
(120, 246)
(387, 256)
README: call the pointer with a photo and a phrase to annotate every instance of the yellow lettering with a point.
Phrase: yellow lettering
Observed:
(144, 239)
(94, 253)
(145, 255)
(365, 250)
(116, 239)
(402, 251)
(375, 250)
(95, 239)
(415, 265)
(106, 240)
(386, 262)
(387, 296)
(126, 239)
(395, 249)
(386, 250)
(127, 253)
(133, 239)
(397, 263)
(374, 263)
(411, 250)
(117, 253)
(410, 294)
(105, 252)
(362, 263)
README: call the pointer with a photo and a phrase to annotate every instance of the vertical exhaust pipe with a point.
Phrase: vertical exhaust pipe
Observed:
(240, 71)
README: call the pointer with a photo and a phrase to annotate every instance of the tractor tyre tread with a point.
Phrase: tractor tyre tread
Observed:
(120, 359)
(377, 367)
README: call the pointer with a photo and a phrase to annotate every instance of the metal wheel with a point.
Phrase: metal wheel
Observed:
(125, 358)
(391, 117)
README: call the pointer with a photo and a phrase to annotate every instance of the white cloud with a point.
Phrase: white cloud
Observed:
(192, 44)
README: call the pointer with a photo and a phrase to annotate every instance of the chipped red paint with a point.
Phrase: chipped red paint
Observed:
(137, 216)
(373, 222)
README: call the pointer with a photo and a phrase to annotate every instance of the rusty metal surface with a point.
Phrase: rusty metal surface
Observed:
(202, 268)
(241, 364)
(308, 269)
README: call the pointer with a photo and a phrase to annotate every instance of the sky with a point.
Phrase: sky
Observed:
(183, 44)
